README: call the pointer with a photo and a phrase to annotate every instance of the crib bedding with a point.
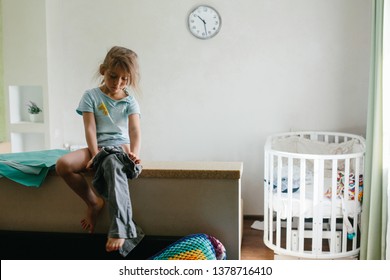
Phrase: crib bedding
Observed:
(300, 145)
(280, 203)
(29, 168)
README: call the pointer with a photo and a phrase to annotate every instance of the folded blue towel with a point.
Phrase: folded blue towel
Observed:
(29, 168)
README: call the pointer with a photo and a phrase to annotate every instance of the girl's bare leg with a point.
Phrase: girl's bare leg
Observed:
(69, 167)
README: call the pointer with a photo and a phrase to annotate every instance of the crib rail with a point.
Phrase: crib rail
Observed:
(307, 213)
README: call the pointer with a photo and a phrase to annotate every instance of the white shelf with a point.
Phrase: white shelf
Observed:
(19, 97)
(27, 127)
(26, 135)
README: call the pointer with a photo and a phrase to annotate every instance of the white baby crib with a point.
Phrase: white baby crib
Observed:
(310, 210)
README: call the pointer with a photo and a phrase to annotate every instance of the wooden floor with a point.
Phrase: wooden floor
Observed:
(252, 247)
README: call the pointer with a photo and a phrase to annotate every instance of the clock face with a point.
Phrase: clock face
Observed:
(204, 22)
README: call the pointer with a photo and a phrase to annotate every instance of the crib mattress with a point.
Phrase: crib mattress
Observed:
(283, 204)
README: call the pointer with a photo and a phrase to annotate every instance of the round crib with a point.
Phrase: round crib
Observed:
(313, 189)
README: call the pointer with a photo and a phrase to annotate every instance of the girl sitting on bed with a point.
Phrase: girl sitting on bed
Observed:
(113, 135)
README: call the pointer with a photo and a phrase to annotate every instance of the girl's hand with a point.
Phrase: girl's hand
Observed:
(89, 164)
(134, 158)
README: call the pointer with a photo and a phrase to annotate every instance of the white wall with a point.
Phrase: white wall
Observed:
(24, 58)
(275, 66)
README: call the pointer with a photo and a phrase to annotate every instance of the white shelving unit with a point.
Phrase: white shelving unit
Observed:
(26, 135)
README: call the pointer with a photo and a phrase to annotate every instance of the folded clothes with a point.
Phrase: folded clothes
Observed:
(29, 168)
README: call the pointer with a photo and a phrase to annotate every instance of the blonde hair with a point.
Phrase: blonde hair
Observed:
(125, 59)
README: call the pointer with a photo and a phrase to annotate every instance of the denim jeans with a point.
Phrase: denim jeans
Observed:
(111, 181)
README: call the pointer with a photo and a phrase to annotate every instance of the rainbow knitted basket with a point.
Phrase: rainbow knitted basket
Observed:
(193, 247)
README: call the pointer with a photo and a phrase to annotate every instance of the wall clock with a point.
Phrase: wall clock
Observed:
(204, 22)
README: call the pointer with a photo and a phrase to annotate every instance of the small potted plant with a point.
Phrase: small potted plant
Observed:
(33, 110)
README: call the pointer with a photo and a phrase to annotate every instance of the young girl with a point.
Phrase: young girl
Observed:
(111, 118)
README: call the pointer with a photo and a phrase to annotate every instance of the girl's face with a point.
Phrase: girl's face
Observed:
(115, 79)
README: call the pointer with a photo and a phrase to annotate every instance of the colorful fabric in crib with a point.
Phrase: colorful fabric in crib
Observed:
(193, 247)
(351, 186)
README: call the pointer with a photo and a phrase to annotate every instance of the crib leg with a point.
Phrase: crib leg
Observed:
(294, 240)
(336, 238)
(338, 242)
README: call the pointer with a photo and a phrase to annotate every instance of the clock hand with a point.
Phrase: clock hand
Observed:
(201, 19)
(204, 23)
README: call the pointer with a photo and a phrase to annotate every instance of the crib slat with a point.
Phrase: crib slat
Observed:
(317, 206)
(289, 203)
(333, 199)
(315, 209)
(302, 198)
(320, 217)
(345, 197)
(271, 206)
(356, 201)
(279, 194)
(267, 200)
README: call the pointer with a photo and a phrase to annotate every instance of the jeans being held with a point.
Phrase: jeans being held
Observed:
(113, 168)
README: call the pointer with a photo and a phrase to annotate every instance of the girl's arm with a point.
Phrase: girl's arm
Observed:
(135, 135)
(90, 135)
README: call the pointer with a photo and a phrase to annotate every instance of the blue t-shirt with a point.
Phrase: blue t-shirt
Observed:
(111, 116)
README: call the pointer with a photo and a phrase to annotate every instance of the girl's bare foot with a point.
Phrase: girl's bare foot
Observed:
(93, 211)
(114, 244)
